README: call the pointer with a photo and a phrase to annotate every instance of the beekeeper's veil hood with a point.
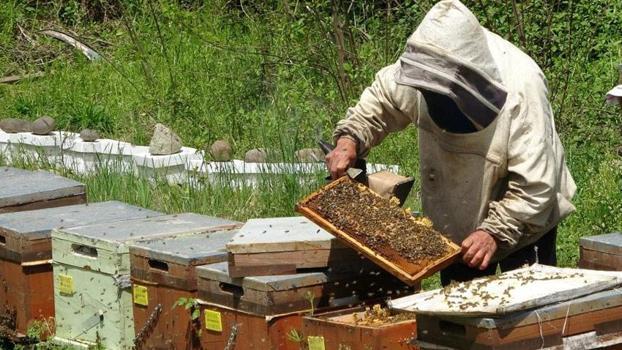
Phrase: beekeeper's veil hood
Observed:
(448, 54)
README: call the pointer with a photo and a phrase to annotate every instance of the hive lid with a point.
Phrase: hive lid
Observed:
(220, 272)
(281, 234)
(37, 224)
(116, 233)
(192, 249)
(19, 186)
(608, 243)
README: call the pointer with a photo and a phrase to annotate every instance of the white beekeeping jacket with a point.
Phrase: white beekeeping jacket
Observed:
(509, 177)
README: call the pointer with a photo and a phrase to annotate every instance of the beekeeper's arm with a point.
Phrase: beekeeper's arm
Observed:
(533, 168)
(384, 107)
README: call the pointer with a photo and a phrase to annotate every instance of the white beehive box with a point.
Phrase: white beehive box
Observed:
(171, 167)
(87, 157)
(39, 148)
(93, 300)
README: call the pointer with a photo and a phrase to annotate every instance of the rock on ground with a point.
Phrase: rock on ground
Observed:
(164, 141)
(221, 151)
(256, 155)
(43, 125)
(310, 155)
(13, 125)
(89, 135)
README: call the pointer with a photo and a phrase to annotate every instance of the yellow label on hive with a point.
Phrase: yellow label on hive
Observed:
(66, 284)
(141, 296)
(315, 343)
(213, 321)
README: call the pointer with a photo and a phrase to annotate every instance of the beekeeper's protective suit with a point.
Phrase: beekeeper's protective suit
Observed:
(496, 162)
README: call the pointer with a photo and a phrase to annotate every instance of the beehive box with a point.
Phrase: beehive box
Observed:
(257, 304)
(89, 156)
(26, 252)
(29, 190)
(354, 329)
(163, 272)
(46, 149)
(379, 229)
(92, 291)
(171, 167)
(278, 246)
(603, 252)
(589, 322)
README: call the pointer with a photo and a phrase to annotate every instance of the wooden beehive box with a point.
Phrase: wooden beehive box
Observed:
(278, 246)
(603, 252)
(29, 190)
(92, 291)
(364, 220)
(163, 271)
(589, 322)
(340, 330)
(257, 304)
(26, 253)
(244, 330)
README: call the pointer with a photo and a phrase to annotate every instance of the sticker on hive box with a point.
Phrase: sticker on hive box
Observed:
(141, 295)
(213, 321)
(66, 286)
(315, 343)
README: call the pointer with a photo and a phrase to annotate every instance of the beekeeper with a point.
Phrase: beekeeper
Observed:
(493, 174)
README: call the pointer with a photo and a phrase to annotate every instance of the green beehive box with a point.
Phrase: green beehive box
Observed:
(92, 276)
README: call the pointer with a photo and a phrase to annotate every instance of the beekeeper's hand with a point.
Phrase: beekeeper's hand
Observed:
(478, 248)
(341, 158)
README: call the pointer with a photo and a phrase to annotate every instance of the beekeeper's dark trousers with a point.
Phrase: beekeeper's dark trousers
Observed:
(546, 255)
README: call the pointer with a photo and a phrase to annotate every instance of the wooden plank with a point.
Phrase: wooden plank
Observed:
(610, 243)
(48, 203)
(386, 257)
(599, 260)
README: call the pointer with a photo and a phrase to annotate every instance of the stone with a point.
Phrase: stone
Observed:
(221, 151)
(310, 155)
(13, 125)
(256, 155)
(164, 141)
(89, 135)
(43, 126)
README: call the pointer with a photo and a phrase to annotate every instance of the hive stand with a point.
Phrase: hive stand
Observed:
(26, 252)
(278, 246)
(163, 271)
(28, 190)
(92, 276)
(266, 308)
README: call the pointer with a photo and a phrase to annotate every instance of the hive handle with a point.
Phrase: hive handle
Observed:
(451, 328)
(231, 289)
(84, 250)
(2, 240)
(158, 265)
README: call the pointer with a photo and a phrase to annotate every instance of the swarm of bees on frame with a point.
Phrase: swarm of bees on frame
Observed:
(378, 315)
(378, 223)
